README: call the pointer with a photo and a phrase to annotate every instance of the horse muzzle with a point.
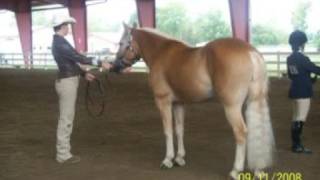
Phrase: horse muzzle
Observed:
(120, 64)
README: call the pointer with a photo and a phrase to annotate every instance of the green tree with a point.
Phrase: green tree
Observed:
(100, 25)
(315, 39)
(133, 18)
(267, 35)
(39, 18)
(172, 19)
(210, 26)
(298, 19)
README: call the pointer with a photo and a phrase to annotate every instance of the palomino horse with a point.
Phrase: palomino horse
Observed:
(180, 74)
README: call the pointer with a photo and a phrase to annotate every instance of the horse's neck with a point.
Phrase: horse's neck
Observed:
(151, 45)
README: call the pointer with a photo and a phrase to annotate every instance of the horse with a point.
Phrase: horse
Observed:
(179, 74)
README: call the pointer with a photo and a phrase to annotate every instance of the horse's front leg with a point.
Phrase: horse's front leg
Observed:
(178, 113)
(165, 106)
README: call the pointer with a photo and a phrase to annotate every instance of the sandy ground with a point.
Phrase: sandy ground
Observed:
(127, 142)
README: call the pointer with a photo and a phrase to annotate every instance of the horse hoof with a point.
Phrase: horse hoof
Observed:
(166, 164)
(180, 161)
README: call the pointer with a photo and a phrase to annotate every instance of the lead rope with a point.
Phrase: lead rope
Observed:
(101, 93)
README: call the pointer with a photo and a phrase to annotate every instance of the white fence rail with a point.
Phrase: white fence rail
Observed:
(46, 61)
(276, 61)
(36, 60)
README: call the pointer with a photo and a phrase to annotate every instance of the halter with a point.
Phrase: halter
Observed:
(135, 53)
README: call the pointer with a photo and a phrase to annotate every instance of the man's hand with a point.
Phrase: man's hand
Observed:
(84, 67)
(106, 65)
(89, 76)
(126, 70)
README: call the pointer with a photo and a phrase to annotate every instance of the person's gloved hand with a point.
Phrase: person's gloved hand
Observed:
(126, 70)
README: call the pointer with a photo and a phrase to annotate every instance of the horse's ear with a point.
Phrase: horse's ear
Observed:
(126, 27)
(135, 25)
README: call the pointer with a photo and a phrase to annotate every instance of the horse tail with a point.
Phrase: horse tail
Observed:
(260, 139)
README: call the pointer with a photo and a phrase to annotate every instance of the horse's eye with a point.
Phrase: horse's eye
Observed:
(120, 43)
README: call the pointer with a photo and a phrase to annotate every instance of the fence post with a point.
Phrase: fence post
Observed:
(278, 65)
(30, 57)
(12, 59)
(44, 55)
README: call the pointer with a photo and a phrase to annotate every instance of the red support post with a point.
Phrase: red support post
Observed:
(239, 11)
(24, 21)
(146, 13)
(78, 10)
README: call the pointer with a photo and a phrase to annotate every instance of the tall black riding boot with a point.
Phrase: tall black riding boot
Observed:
(296, 131)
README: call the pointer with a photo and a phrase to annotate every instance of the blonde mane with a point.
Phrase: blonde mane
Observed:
(164, 35)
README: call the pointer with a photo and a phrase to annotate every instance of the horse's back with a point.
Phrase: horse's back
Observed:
(228, 55)
(227, 48)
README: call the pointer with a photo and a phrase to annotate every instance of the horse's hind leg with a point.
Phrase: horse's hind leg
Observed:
(165, 106)
(178, 113)
(235, 118)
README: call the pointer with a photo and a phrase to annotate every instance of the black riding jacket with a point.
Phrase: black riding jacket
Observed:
(299, 68)
(67, 58)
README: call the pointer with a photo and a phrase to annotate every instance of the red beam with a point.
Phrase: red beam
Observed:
(24, 21)
(146, 13)
(239, 11)
(77, 9)
(7, 4)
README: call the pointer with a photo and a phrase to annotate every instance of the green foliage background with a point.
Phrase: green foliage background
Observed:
(174, 19)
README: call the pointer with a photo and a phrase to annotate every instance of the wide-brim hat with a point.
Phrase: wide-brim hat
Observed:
(59, 20)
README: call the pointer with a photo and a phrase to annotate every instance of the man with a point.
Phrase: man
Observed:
(299, 69)
(68, 61)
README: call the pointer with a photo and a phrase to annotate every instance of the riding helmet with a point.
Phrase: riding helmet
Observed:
(297, 38)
